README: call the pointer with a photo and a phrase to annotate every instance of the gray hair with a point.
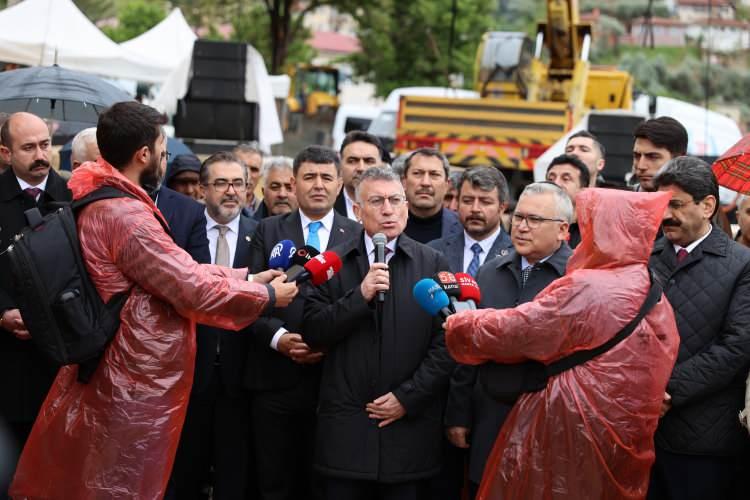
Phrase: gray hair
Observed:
(397, 165)
(377, 174)
(276, 163)
(563, 205)
(486, 179)
(248, 148)
(81, 141)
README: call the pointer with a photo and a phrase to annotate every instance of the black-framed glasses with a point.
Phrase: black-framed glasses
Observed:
(223, 184)
(678, 204)
(533, 221)
(395, 200)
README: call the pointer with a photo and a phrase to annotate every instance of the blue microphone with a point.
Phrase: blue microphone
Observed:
(432, 298)
(281, 255)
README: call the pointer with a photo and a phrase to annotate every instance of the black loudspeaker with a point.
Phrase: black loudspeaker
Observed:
(218, 90)
(219, 68)
(615, 132)
(207, 119)
(206, 49)
(218, 71)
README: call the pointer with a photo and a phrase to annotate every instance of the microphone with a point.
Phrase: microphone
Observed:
(432, 298)
(470, 292)
(379, 240)
(319, 269)
(281, 255)
(299, 258)
(449, 284)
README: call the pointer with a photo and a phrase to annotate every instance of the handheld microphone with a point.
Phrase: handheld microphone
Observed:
(319, 269)
(449, 284)
(470, 292)
(379, 240)
(281, 255)
(299, 258)
(432, 298)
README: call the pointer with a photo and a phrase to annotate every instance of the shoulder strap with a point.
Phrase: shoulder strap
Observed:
(580, 357)
(105, 193)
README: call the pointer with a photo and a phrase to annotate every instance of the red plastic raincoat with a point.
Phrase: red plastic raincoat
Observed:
(589, 434)
(116, 436)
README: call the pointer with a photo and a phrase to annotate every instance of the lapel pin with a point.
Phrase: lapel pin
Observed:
(503, 252)
(247, 238)
(341, 230)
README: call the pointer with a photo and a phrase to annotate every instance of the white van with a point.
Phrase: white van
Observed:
(351, 117)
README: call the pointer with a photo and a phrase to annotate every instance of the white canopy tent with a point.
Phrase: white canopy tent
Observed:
(46, 32)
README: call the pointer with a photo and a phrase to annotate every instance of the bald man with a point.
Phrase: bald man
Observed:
(28, 183)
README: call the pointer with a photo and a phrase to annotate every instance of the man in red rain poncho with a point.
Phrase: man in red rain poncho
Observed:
(589, 433)
(116, 436)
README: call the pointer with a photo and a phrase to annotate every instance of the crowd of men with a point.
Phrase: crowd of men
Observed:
(347, 390)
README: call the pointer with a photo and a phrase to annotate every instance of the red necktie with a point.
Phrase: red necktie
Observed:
(682, 254)
(33, 192)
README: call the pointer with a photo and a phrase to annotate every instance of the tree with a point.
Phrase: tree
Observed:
(408, 43)
(97, 9)
(136, 17)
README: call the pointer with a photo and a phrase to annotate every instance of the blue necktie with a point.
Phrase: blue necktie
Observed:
(312, 235)
(474, 264)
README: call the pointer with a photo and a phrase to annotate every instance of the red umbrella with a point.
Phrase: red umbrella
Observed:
(732, 169)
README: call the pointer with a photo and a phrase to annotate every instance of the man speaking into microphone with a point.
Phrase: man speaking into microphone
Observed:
(386, 368)
(282, 372)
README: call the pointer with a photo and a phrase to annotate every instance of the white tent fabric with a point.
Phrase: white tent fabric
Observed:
(45, 32)
(168, 43)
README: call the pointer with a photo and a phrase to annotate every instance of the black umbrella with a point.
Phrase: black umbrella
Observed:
(56, 93)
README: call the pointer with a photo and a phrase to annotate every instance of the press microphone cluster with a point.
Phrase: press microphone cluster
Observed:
(304, 263)
(447, 293)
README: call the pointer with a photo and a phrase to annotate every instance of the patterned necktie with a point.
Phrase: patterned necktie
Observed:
(33, 192)
(682, 254)
(525, 275)
(474, 264)
(222, 247)
(312, 235)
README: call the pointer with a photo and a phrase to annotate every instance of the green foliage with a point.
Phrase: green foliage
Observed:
(136, 17)
(407, 43)
(520, 15)
(252, 25)
(97, 9)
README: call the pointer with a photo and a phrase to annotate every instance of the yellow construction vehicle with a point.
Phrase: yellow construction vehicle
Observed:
(313, 89)
(529, 99)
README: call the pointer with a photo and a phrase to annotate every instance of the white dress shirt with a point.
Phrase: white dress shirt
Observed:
(486, 245)
(370, 247)
(42, 185)
(324, 231)
(694, 244)
(213, 235)
(349, 206)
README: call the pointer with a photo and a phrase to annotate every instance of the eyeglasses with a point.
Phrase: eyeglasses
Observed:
(678, 204)
(223, 184)
(395, 201)
(533, 221)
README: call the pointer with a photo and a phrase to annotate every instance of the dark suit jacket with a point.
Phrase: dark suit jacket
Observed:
(233, 345)
(25, 376)
(451, 224)
(453, 249)
(187, 222)
(468, 403)
(340, 205)
(267, 368)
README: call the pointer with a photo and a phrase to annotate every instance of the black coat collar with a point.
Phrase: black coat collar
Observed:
(558, 261)
(56, 189)
(716, 243)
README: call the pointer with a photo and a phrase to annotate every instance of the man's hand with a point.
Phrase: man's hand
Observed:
(285, 292)
(386, 408)
(377, 280)
(13, 322)
(266, 276)
(666, 404)
(458, 436)
(292, 346)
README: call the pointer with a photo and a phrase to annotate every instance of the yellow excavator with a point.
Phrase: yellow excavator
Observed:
(531, 95)
(313, 90)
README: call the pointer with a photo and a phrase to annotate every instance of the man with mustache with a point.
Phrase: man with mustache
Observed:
(359, 151)
(425, 179)
(278, 188)
(656, 142)
(283, 372)
(701, 449)
(25, 144)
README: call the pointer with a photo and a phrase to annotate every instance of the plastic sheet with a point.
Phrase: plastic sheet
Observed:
(589, 434)
(116, 436)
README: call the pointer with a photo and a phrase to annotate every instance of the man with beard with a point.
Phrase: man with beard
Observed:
(571, 174)
(701, 449)
(656, 142)
(425, 179)
(117, 434)
(359, 151)
(278, 188)
(28, 183)
(215, 434)
(282, 371)
(585, 146)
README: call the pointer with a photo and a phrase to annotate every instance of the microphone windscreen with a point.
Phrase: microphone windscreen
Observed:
(323, 267)
(303, 255)
(379, 239)
(430, 296)
(448, 282)
(281, 255)
(469, 288)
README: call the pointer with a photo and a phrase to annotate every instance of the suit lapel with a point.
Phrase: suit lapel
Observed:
(293, 226)
(455, 252)
(339, 234)
(244, 238)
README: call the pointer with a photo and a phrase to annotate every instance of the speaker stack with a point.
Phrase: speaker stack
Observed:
(615, 132)
(215, 106)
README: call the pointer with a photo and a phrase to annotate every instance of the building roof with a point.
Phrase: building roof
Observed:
(704, 3)
(329, 41)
